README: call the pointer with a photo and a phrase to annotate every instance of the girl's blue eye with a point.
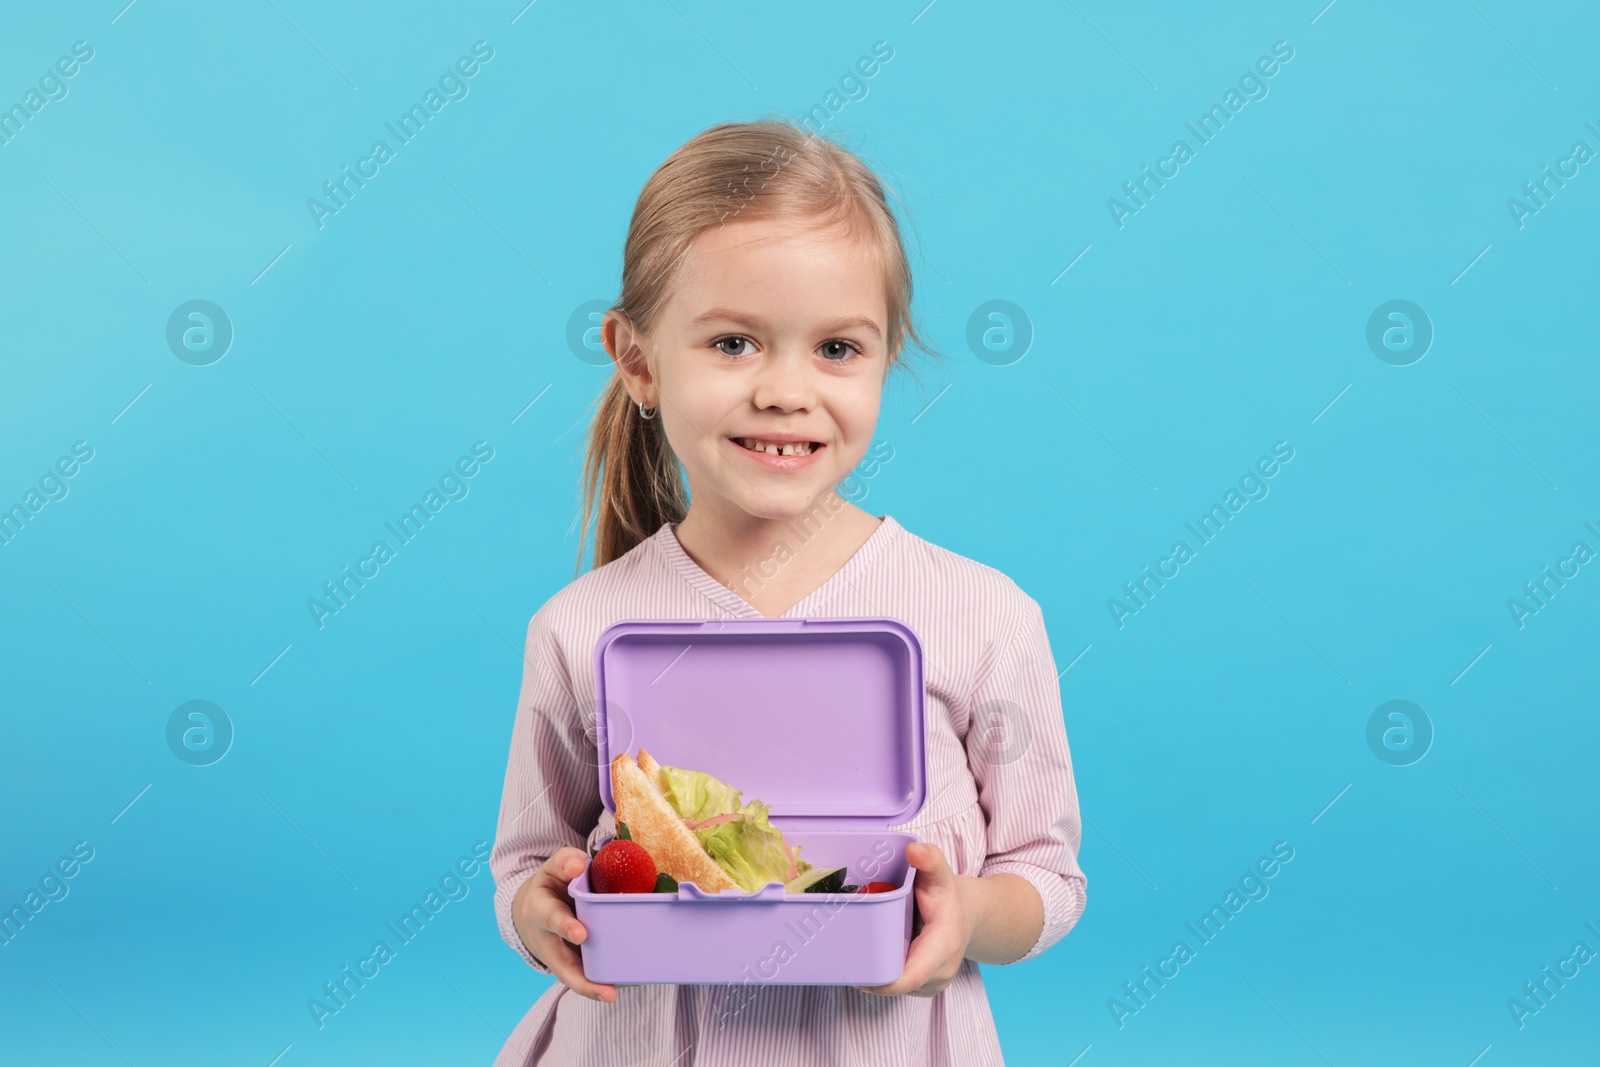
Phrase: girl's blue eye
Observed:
(834, 351)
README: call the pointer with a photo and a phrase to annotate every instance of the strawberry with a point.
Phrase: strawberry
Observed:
(622, 866)
(879, 887)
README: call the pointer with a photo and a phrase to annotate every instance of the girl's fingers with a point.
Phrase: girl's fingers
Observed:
(935, 886)
(928, 951)
(930, 861)
(559, 930)
(564, 865)
(935, 949)
(934, 945)
(937, 952)
(567, 965)
(549, 905)
(551, 913)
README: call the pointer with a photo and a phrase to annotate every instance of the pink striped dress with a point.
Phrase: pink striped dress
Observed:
(1001, 797)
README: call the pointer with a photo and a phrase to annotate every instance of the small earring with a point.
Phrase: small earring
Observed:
(643, 414)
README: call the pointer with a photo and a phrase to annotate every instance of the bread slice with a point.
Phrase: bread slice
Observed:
(651, 769)
(659, 829)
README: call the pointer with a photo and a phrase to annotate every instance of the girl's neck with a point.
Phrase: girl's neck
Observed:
(773, 564)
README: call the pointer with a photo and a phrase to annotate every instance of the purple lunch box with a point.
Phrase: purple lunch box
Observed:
(820, 718)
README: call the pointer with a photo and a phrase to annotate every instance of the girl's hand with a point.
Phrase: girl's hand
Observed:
(542, 914)
(942, 926)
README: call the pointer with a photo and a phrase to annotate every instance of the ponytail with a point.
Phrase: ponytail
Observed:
(630, 477)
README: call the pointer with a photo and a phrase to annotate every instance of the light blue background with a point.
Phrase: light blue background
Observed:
(1223, 317)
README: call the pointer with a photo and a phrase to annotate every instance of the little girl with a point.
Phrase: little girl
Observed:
(765, 296)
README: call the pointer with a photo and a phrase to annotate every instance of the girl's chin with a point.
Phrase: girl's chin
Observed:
(792, 502)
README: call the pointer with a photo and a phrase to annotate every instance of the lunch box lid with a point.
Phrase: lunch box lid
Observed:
(822, 719)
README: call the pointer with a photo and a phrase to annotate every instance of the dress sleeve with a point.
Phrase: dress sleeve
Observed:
(551, 797)
(1017, 752)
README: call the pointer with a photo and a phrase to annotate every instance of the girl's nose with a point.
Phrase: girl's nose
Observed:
(783, 382)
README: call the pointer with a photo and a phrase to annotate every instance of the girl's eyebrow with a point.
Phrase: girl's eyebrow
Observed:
(754, 322)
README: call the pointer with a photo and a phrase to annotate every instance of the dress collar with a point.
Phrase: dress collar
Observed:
(666, 541)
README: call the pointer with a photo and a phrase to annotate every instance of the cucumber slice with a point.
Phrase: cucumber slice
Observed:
(818, 880)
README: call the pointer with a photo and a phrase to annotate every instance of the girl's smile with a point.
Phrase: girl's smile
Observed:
(780, 452)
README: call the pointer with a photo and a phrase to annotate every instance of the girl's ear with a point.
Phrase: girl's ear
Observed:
(626, 345)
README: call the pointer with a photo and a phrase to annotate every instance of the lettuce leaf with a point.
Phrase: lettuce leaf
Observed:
(749, 847)
(697, 795)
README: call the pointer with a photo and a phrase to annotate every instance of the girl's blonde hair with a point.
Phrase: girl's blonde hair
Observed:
(768, 169)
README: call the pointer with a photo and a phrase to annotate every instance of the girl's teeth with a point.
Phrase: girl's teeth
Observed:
(792, 449)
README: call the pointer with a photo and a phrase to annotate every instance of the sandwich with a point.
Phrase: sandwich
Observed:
(697, 829)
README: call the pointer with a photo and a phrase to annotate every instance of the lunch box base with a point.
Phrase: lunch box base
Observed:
(769, 937)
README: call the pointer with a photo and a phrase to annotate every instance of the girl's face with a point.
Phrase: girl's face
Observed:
(774, 343)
